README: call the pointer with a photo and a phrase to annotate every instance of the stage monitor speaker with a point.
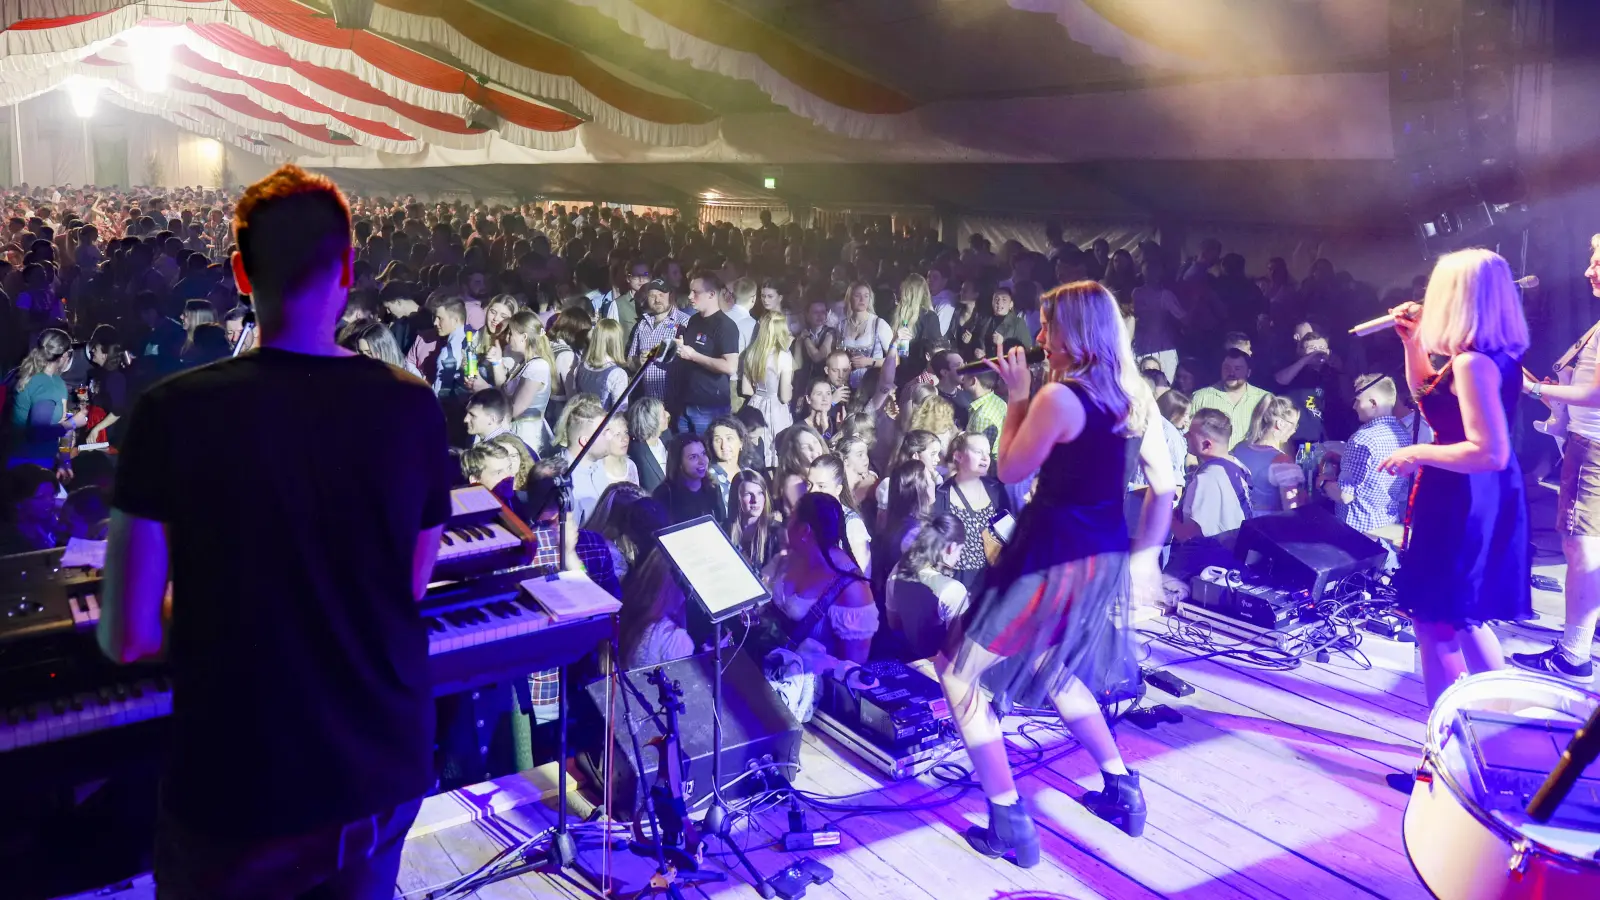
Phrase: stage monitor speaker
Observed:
(1305, 549)
(756, 727)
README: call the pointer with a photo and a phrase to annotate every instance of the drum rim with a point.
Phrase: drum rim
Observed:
(1441, 772)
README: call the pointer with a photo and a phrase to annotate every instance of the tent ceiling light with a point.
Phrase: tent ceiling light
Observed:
(84, 94)
(150, 49)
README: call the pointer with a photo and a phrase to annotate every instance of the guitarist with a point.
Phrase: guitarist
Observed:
(1578, 510)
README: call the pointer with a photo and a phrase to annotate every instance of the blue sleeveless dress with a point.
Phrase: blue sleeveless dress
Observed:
(1468, 560)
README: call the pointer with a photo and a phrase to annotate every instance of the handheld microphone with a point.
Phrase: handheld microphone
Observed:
(1383, 323)
(1034, 356)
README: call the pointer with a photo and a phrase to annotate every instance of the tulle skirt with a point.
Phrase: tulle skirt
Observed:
(1055, 620)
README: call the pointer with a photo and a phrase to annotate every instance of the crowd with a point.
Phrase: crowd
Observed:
(800, 385)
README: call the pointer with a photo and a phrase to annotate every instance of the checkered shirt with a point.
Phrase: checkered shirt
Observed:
(1373, 499)
(595, 555)
(648, 336)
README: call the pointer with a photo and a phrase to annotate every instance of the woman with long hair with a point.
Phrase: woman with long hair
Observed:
(108, 382)
(1265, 446)
(819, 569)
(728, 449)
(860, 480)
(750, 518)
(653, 623)
(921, 600)
(496, 313)
(827, 476)
(911, 489)
(195, 313)
(1467, 561)
(569, 340)
(600, 373)
(647, 422)
(374, 340)
(688, 491)
(918, 445)
(1052, 625)
(937, 416)
(525, 371)
(974, 498)
(767, 374)
(915, 302)
(37, 398)
(797, 446)
(862, 334)
(609, 519)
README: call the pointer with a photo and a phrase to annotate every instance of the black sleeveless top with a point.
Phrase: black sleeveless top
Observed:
(1091, 470)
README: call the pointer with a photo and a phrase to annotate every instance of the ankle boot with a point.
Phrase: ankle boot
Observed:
(1010, 830)
(1121, 803)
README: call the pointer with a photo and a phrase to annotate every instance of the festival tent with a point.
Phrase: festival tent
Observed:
(1113, 106)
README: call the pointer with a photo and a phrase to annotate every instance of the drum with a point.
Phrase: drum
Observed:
(1491, 740)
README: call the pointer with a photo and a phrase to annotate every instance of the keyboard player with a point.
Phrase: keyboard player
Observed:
(303, 715)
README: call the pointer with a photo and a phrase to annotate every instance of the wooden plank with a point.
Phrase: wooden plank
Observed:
(496, 797)
(1066, 866)
(425, 866)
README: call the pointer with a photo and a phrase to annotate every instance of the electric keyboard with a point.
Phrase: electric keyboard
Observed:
(482, 535)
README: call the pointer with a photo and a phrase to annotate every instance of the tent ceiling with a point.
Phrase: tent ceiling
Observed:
(1100, 94)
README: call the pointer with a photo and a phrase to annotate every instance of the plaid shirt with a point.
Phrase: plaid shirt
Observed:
(646, 337)
(595, 555)
(1372, 499)
(986, 413)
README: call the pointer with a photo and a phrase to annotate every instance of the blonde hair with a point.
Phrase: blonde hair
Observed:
(527, 324)
(1381, 387)
(1092, 349)
(915, 299)
(605, 344)
(518, 449)
(772, 336)
(1270, 413)
(52, 345)
(581, 408)
(935, 415)
(475, 459)
(744, 291)
(1472, 304)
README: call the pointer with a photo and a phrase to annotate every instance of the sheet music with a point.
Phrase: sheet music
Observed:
(714, 569)
(471, 499)
(82, 552)
(569, 596)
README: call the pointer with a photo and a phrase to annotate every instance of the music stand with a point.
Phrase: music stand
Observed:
(719, 578)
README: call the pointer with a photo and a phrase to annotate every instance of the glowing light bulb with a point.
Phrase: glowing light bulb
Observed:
(84, 94)
(150, 49)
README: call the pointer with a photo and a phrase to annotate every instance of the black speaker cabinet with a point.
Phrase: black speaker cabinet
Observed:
(756, 727)
(1305, 549)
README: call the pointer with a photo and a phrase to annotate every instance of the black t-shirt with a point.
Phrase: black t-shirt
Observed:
(1311, 390)
(691, 384)
(302, 693)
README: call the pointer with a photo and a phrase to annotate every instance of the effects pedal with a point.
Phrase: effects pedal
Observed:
(1169, 683)
(791, 883)
(1151, 716)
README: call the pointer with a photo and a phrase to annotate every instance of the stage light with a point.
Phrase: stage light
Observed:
(770, 183)
(84, 94)
(710, 195)
(211, 150)
(150, 48)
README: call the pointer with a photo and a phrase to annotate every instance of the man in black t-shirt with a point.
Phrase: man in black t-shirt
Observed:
(302, 727)
(699, 378)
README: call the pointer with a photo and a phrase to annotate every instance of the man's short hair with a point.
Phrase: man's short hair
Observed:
(1213, 425)
(1237, 354)
(745, 290)
(1380, 387)
(455, 306)
(289, 226)
(988, 378)
(712, 280)
(1237, 339)
(491, 401)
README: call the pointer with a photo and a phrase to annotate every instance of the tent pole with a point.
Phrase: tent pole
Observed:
(16, 133)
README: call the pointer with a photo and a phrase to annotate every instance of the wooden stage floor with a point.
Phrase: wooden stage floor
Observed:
(1272, 786)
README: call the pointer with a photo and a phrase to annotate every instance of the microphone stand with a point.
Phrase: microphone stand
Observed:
(1580, 753)
(563, 851)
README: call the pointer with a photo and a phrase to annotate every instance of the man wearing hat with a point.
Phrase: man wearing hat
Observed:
(659, 322)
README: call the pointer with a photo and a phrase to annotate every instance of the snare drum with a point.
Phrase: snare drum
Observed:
(1465, 829)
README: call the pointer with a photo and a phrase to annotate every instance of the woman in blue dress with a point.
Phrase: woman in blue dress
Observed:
(1466, 562)
(1052, 624)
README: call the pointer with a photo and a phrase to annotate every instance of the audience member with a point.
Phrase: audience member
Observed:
(977, 501)
(822, 608)
(920, 599)
(1369, 499)
(1263, 453)
(687, 491)
(1216, 500)
(707, 355)
(1234, 396)
(751, 525)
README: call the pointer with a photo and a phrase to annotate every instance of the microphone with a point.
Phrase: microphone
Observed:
(666, 351)
(1383, 323)
(1580, 752)
(1036, 355)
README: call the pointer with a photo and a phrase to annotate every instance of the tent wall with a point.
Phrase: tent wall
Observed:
(55, 149)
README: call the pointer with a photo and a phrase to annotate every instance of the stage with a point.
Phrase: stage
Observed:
(1271, 786)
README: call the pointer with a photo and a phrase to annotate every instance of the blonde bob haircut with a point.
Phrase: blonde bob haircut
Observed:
(1472, 304)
